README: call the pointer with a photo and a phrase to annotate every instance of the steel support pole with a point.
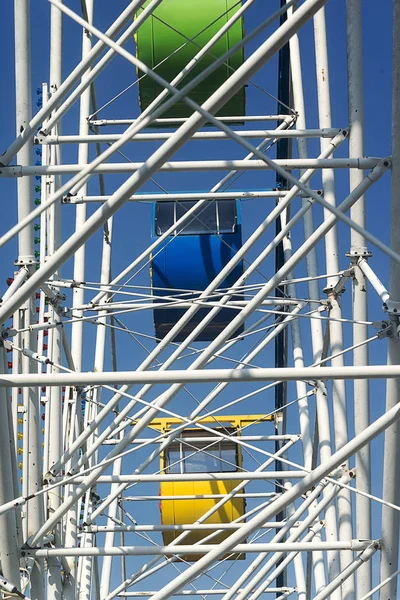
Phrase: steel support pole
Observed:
(201, 376)
(305, 429)
(391, 464)
(360, 298)
(32, 470)
(335, 327)
(9, 548)
(78, 294)
(355, 545)
(210, 592)
(282, 152)
(322, 406)
(197, 166)
(200, 136)
(189, 196)
(117, 466)
(54, 411)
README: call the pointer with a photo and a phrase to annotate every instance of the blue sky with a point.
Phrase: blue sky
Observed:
(133, 222)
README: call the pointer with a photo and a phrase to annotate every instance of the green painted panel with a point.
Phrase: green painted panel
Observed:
(167, 31)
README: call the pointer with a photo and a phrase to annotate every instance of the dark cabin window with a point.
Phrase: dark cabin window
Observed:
(220, 457)
(214, 217)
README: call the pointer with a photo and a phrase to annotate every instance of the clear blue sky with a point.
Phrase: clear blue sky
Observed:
(132, 224)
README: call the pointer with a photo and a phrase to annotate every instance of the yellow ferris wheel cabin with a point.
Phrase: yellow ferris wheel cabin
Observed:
(197, 450)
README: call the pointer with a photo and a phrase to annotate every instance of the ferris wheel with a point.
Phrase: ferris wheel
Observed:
(200, 300)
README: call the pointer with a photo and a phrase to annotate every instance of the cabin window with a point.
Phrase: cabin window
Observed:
(214, 217)
(186, 457)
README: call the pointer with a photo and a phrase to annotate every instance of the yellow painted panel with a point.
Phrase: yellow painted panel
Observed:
(177, 512)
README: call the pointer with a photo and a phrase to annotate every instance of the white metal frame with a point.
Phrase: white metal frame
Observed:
(66, 530)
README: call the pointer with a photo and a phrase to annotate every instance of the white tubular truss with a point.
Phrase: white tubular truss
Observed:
(150, 445)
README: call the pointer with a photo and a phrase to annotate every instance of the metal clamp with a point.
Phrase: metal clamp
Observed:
(392, 307)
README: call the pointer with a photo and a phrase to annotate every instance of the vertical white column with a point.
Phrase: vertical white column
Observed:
(332, 266)
(78, 294)
(53, 224)
(83, 155)
(9, 550)
(360, 304)
(99, 366)
(391, 468)
(323, 419)
(32, 465)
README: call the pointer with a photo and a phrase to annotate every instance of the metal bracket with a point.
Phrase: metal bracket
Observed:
(339, 287)
(13, 171)
(392, 307)
(49, 478)
(8, 333)
(7, 344)
(53, 295)
(360, 252)
(385, 329)
(26, 261)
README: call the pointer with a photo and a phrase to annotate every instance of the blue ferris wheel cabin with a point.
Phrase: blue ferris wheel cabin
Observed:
(188, 260)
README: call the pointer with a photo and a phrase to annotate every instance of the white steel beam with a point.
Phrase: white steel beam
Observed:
(360, 288)
(208, 375)
(210, 592)
(355, 545)
(158, 477)
(391, 465)
(189, 196)
(195, 166)
(179, 121)
(200, 135)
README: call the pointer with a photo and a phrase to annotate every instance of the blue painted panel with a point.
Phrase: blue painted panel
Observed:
(191, 262)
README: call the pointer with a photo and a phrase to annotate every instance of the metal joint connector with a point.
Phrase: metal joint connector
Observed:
(25, 261)
(392, 307)
(385, 329)
(357, 253)
(339, 288)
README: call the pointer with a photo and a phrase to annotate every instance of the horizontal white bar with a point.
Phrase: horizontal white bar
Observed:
(177, 120)
(196, 166)
(157, 477)
(201, 135)
(184, 527)
(354, 545)
(243, 438)
(177, 303)
(197, 497)
(191, 196)
(213, 592)
(207, 375)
